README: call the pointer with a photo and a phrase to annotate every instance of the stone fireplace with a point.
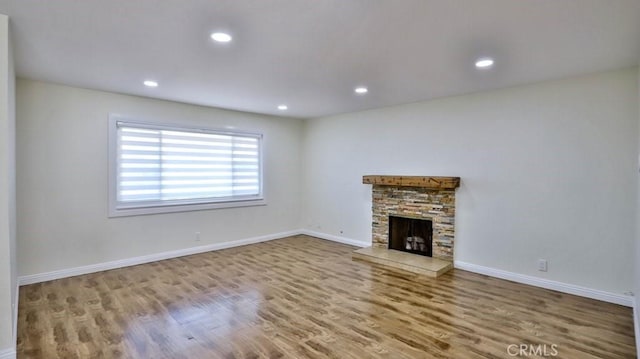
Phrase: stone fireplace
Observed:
(412, 215)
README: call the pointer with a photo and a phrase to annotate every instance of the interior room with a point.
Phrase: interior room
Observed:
(319, 179)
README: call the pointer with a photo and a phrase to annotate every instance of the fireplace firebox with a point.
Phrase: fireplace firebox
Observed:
(411, 235)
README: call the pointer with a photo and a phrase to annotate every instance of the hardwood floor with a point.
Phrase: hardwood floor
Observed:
(302, 297)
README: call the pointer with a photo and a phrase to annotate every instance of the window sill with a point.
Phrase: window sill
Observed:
(141, 211)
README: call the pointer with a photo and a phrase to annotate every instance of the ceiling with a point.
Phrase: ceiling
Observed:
(311, 54)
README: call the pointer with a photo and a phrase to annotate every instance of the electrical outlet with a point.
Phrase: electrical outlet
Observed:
(542, 265)
(197, 236)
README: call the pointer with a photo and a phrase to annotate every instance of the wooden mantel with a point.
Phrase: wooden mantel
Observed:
(432, 182)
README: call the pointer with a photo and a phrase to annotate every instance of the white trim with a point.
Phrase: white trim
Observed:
(8, 354)
(92, 268)
(140, 211)
(329, 237)
(615, 298)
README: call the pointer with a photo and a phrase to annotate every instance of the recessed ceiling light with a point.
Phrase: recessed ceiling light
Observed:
(283, 107)
(221, 37)
(361, 90)
(484, 62)
(150, 83)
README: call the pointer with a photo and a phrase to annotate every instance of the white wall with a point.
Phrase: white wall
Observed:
(62, 180)
(7, 190)
(548, 171)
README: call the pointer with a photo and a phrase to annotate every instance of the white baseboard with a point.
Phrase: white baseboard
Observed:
(615, 298)
(72, 272)
(338, 239)
(8, 354)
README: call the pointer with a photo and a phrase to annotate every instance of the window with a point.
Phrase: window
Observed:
(157, 168)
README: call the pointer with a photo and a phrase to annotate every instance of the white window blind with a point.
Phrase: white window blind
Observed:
(168, 166)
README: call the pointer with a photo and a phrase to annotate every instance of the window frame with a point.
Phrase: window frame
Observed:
(115, 210)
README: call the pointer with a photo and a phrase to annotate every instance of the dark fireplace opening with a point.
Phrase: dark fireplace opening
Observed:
(411, 235)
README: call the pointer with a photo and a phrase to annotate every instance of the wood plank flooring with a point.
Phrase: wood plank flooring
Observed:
(301, 297)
